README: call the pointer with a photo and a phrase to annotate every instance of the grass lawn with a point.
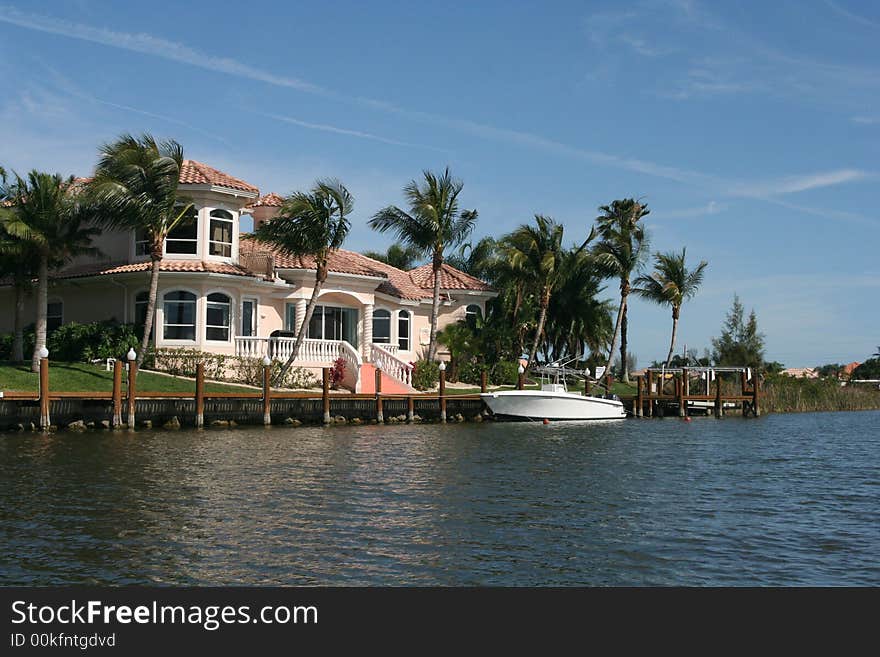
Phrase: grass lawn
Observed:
(82, 377)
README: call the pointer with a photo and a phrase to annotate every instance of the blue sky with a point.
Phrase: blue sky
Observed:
(751, 129)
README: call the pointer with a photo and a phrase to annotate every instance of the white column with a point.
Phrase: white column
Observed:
(300, 313)
(368, 332)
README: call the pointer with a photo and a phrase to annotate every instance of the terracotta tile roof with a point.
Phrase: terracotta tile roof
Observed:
(196, 266)
(196, 173)
(450, 279)
(270, 200)
(414, 285)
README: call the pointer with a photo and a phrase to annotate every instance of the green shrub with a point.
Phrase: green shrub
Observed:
(74, 342)
(505, 373)
(426, 375)
(183, 362)
(470, 371)
(249, 370)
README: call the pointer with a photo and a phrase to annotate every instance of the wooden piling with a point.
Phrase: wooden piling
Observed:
(640, 399)
(679, 393)
(116, 422)
(45, 421)
(132, 392)
(410, 409)
(587, 386)
(200, 395)
(755, 410)
(521, 381)
(379, 414)
(325, 393)
(443, 394)
(484, 379)
(267, 395)
(719, 405)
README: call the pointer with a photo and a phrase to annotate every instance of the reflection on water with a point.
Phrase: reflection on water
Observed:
(781, 500)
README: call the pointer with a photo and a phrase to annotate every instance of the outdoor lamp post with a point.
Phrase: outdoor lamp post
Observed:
(44, 388)
(132, 375)
(521, 379)
(267, 391)
(442, 368)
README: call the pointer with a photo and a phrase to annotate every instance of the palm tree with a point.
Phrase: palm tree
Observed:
(397, 256)
(671, 284)
(536, 251)
(135, 187)
(432, 225)
(310, 224)
(49, 217)
(477, 259)
(578, 322)
(18, 263)
(621, 250)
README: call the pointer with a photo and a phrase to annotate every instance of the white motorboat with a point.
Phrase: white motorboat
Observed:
(552, 402)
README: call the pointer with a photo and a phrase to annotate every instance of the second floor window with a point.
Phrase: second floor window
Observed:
(184, 237)
(220, 236)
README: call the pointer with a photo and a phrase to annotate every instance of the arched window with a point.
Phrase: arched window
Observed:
(179, 310)
(140, 307)
(403, 324)
(220, 235)
(472, 314)
(217, 317)
(382, 326)
(184, 237)
(54, 315)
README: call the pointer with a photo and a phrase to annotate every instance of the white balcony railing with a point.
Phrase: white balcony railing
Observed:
(393, 366)
(312, 353)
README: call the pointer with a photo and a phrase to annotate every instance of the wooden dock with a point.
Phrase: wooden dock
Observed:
(662, 390)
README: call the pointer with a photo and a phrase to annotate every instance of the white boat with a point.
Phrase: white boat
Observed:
(552, 402)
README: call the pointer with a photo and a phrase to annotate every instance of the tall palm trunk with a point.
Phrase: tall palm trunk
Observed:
(624, 343)
(617, 326)
(320, 277)
(18, 324)
(435, 308)
(542, 319)
(42, 309)
(675, 313)
(151, 309)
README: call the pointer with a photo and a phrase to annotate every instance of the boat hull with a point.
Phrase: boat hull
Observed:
(541, 405)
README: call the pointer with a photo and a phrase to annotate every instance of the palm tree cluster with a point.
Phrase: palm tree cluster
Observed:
(549, 302)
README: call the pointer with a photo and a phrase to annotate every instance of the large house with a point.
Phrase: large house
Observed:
(220, 291)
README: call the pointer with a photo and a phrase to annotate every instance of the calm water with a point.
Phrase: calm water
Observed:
(786, 499)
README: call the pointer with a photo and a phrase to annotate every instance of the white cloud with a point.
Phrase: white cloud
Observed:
(345, 131)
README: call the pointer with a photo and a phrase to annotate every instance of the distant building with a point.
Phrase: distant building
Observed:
(847, 370)
(801, 372)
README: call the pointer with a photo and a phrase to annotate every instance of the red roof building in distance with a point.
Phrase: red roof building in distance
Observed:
(847, 370)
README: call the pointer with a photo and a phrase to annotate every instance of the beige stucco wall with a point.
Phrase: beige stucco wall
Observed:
(104, 298)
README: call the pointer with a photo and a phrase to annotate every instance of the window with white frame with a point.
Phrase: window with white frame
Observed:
(184, 237)
(141, 300)
(220, 235)
(179, 310)
(217, 317)
(141, 242)
(403, 328)
(54, 315)
(381, 326)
